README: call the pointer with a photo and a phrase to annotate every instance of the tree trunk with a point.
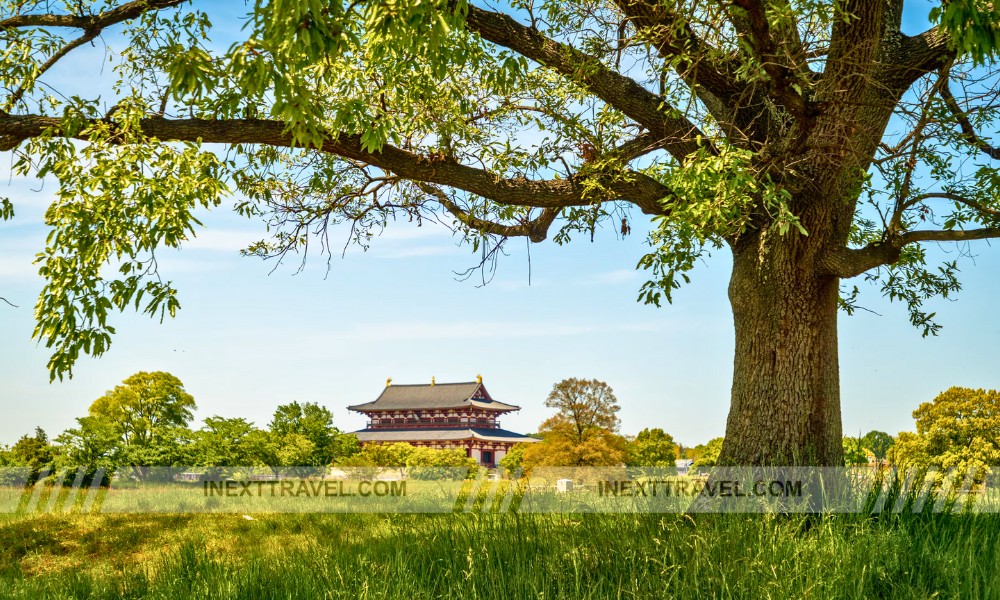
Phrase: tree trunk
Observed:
(786, 383)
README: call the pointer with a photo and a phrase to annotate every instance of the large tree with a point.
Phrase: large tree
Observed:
(147, 416)
(584, 430)
(959, 429)
(651, 448)
(310, 425)
(813, 140)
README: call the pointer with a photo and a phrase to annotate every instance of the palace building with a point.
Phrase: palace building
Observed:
(443, 416)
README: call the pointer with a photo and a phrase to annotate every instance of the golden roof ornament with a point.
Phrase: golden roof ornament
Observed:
(432, 381)
(479, 378)
(388, 382)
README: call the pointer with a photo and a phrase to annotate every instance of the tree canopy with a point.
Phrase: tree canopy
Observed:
(144, 407)
(584, 430)
(816, 141)
(879, 442)
(959, 429)
(651, 448)
(145, 422)
(707, 454)
(308, 429)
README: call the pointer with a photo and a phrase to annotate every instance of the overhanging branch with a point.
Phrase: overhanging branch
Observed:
(968, 131)
(535, 229)
(782, 58)
(637, 188)
(675, 41)
(680, 135)
(918, 55)
(101, 20)
(851, 262)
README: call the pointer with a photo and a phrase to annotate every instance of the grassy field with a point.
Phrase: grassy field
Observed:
(497, 556)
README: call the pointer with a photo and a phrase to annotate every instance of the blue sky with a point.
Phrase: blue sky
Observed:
(247, 339)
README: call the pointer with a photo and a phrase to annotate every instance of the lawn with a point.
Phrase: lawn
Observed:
(499, 555)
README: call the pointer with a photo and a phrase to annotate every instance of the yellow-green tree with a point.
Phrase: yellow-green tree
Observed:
(959, 429)
(707, 455)
(147, 416)
(651, 448)
(855, 452)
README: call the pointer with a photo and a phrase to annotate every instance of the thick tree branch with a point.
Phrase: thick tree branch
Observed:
(855, 46)
(624, 94)
(949, 235)
(639, 189)
(673, 38)
(918, 55)
(783, 59)
(129, 10)
(536, 229)
(968, 131)
(851, 262)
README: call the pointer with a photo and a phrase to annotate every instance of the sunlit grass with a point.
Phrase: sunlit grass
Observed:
(494, 556)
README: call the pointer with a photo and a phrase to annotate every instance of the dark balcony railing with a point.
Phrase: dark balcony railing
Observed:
(418, 423)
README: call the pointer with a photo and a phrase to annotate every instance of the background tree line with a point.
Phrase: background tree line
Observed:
(959, 429)
(145, 422)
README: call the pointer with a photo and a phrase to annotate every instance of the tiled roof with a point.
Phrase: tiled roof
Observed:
(440, 435)
(425, 396)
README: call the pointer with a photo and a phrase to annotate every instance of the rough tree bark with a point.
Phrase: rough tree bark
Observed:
(786, 382)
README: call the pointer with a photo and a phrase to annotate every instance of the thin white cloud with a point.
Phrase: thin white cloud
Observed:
(17, 268)
(516, 285)
(222, 240)
(414, 251)
(611, 277)
(406, 331)
(398, 232)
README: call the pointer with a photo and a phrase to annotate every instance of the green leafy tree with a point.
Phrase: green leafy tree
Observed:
(35, 452)
(313, 423)
(959, 429)
(147, 416)
(815, 142)
(708, 454)
(172, 446)
(94, 443)
(374, 457)
(879, 442)
(143, 405)
(225, 442)
(855, 452)
(379, 455)
(262, 449)
(514, 459)
(432, 463)
(651, 448)
(296, 450)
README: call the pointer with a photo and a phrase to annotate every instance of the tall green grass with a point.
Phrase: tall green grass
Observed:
(501, 556)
